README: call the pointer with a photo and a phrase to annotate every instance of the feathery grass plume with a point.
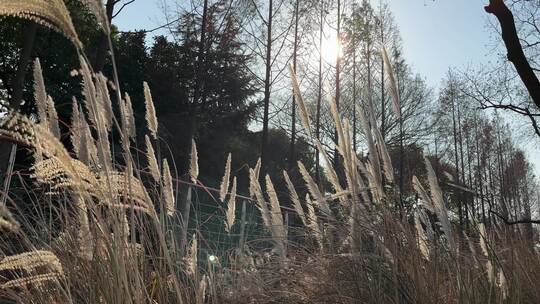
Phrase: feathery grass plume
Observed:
(87, 148)
(64, 174)
(130, 117)
(314, 190)
(104, 152)
(152, 161)
(224, 186)
(258, 167)
(261, 203)
(191, 257)
(86, 243)
(359, 168)
(304, 117)
(375, 179)
(36, 136)
(376, 146)
(194, 164)
(81, 136)
(36, 280)
(76, 127)
(347, 158)
(49, 13)
(124, 129)
(279, 232)
(201, 290)
(421, 236)
(312, 220)
(256, 171)
(483, 245)
(339, 127)
(40, 94)
(423, 194)
(31, 260)
(438, 202)
(329, 171)
(231, 208)
(472, 249)
(7, 220)
(503, 285)
(95, 107)
(128, 191)
(168, 188)
(393, 84)
(151, 119)
(89, 94)
(104, 98)
(295, 199)
(388, 169)
(52, 117)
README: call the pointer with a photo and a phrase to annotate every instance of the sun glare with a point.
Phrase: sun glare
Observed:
(331, 48)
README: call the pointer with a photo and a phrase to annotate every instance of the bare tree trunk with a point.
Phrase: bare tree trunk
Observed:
(354, 95)
(292, 157)
(338, 82)
(455, 148)
(463, 195)
(103, 46)
(200, 57)
(29, 37)
(319, 97)
(480, 174)
(267, 80)
(514, 48)
(383, 97)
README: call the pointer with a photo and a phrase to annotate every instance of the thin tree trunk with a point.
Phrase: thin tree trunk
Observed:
(480, 174)
(383, 97)
(463, 194)
(514, 48)
(456, 149)
(354, 95)
(29, 37)
(199, 80)
(267, 80)
(338, 83)
(103, 46)
(292, 156)
(319, 98)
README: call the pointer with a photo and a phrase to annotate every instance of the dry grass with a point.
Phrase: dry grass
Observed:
(99, 235)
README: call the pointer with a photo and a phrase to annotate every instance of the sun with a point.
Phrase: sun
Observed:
(331, 48)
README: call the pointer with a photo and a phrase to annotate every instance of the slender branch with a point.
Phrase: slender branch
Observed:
(122, 7)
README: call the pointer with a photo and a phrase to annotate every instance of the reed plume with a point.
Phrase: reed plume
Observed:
(314, 190)
(224, 186)
(168, 192)
(277, 228)
(194, 162)
(231, 208)
(49, 13)
(151, 119)
(393, 84)
(440, 207)
(295, 199)
(151, 159)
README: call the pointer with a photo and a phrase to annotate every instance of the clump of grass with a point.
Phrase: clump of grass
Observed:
(104, 235)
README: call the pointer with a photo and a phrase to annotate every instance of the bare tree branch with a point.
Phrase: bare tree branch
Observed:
(514, 48)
